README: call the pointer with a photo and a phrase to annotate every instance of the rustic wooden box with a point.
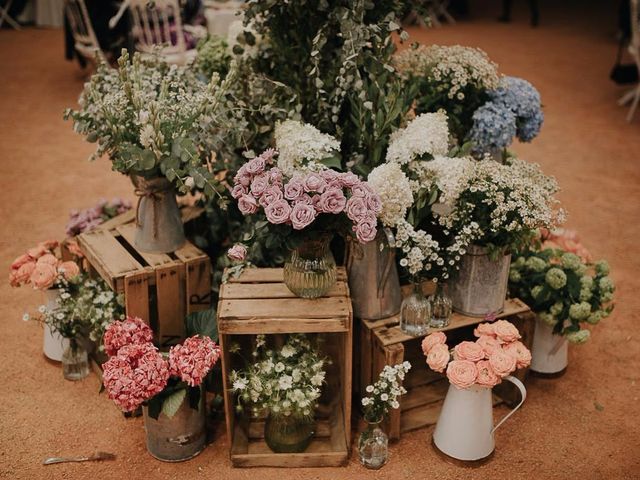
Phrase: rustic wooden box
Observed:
(426, 389)
(159, 288)
(258, 302)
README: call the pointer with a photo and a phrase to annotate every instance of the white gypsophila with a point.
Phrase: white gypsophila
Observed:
(427, 134)
(301, 146)
(394, 189)
(450, 175)
(384, 394)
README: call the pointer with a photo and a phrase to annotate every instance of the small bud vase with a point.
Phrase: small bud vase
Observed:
(310, 271)
(75, 361)
(441, 307)
(373, 445)
(415, 313)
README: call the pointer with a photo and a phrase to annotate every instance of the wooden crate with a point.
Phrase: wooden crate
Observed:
(159, 288)
(426, 389)
(258, 302)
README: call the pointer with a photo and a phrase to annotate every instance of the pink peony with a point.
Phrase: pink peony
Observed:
(259, 184)
(349, 179)
(21, 260)
(366, 229)
(462, 373)
(238, 191)
(247, 205)
(314, 182)
(520, 353)
(49, 259)
(132, 331)
(192, 360)
(502, 362)
(432, 339)
(468, 351)
(255, 166)
(22, 275)
(489, 344)
(438, 357)
(278, 211)
(505, 331)
(302, 215)
(293, 189)
(238, 252)
(43, 276)
(486, 376)
(485, 329)
(69, 269)
(271, 194)
(332, 201)
(357, 209)
(37, 252)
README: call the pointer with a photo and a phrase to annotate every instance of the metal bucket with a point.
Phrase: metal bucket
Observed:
(549, 353)
(178, 438)
(158, 222)
(480, 286)
(373, 278)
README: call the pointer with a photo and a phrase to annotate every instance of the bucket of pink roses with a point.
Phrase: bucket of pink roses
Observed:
(167, 386)
(465, 428)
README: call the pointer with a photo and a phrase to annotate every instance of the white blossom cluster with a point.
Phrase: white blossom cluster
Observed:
(287, 381)
(394, 189)
(450, 175)
(427, 134)
(302, 146)
(384, 394)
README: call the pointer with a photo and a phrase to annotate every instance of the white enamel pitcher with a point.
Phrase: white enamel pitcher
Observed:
(465, 427)
(53, 344)
(549, 352)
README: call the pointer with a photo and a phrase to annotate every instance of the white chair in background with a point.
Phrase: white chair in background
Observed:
(84, 37)
(4, 16)
(633, 95)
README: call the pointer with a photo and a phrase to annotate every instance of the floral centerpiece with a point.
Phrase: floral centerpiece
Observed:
(81, 221)
(41, 268)
(285, 384)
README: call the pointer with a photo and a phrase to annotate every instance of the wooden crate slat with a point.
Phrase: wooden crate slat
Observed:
(327, 307)
(126, 217)
(198, 282)
(171, 302)
(272, 275)
(272, 290)
(283, 325)
(425, 394)
(136, 293)
(189, 252)
(128, 232)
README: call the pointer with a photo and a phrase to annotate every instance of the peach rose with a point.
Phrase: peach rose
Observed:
(468, 351)
(486, 376)
(520, 352)
(37, 252)
(506, 331)
(49, 259)
(502, 362)
(69, 269)
(21, 260)
(74, 248)
(43, 276)
(489, 344)
(566, 240)
(486, 329)
(49, 244)
(22, 275)
(462, 373)
(436, 338)
(438, 357)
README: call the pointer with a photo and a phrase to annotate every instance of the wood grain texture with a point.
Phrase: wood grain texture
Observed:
(170, 287)
(136, 294)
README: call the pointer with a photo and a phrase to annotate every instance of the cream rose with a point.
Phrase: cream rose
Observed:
(520, 353)
(468, 351)
(431, 340)
(489, 344)
(506, 331)
(438, 357)
(462, 373)
(502, 362)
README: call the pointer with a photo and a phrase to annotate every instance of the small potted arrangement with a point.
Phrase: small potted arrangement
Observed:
(167, 386)
(465, 427)
(284, 384)
(567, 294)
(373, 443)
(41, 268)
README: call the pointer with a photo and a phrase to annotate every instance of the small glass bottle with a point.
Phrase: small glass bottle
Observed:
(415, 313)
(373, 445)
(441, 307)
(75, 361)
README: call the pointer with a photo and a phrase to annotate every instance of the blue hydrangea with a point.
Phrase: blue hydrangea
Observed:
(494, 126)
(528, 128)
(518, 95)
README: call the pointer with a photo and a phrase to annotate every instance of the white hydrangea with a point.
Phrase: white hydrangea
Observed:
(301, 146)
(450, 175)
(427, 134)
(393, 186)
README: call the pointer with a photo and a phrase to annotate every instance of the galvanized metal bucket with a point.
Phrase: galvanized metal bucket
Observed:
(158, 222)
(178, 438)
(480, 286)
(373, 278)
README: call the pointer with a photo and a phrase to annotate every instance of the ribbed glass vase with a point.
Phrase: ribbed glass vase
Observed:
(288, 433)
(310, 271)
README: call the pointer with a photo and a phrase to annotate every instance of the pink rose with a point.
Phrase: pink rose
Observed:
(485, 329)
(502, 363)
(238, 190)
(275, 176)
(435, 338)
(43, 276)
(238, 252)
(278, 211)
(566, 240)
(293, 189)
(305, 199)
(357, 209)
(37, 252)
(314, 183)
(270, 195)
(366, 229)
(374, 203)
(255, 166)
(259, 184)
(69, 270)
(486, 376)
(438, 357)
(489, 344)
(506, 331)
(520, 353)
(315, 201)
(49, 259)
(330, 175)
(302, 215)
(21, 275)
(50, 244)
(361, 189)
(349, 179)
(21, 260)
(268, 155)
(332, 201)
(243, 179)
(462, 373)
(247, 205)
(468, 351)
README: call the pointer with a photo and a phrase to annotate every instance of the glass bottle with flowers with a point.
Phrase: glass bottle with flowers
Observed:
(373, 443)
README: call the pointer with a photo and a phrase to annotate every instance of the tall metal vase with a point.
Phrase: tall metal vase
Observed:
(159, 226)
(373, 278)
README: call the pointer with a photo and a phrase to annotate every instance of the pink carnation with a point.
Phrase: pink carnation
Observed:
(468, 351)
(438, 357)
(278, 211)
(302, 215)
(332, 201)
(502, 362)
(238, 252)
(520, 353)
(192, 360)
(566, 240)
(485, 329)
(486, 376)
(431, 340)
(132, 331)
(505, 331)
(462, 373)
(247, 205)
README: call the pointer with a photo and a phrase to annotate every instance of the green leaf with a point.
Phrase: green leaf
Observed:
(332, 162)
(172, 403)
(155, 407)
(147, 160)
(202, 323)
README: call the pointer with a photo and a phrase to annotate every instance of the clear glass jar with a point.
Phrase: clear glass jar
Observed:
(288, 433)
(441, 307)
(310, 271)
(415, 313)
(75, 361)
(373, 446)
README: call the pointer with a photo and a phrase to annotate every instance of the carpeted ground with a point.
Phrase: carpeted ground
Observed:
(584, 425)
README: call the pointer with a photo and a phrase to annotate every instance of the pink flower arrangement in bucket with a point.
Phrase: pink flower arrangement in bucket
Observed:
(496, 354)
(41, 268)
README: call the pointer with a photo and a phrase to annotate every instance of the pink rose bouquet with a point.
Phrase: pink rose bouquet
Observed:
(137, 373)
(495, 354)
(42, 268)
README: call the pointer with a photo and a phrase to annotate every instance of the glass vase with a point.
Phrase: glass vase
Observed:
(373, 446)
(75, 361)
(288, 433)
(310, 271)
(415, 313)
(441, 307)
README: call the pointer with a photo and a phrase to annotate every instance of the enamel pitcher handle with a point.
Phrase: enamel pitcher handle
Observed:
(523, 395)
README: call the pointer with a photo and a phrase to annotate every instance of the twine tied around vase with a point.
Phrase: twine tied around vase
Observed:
(154, 190)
